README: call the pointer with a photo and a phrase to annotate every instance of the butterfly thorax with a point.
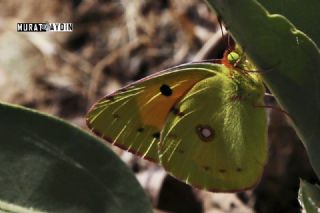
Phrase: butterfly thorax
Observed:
(248, 85)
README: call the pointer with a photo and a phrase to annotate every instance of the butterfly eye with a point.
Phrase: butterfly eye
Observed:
(233, 57)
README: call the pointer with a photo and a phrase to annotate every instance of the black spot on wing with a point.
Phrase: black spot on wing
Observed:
(206, 168)
(239, 169)
(172, 136)
(156, 135)
(177, 111)
(110, 98)
(222, 170)
(165, 90)
(124, 89)
(181, 151)
(115, 116)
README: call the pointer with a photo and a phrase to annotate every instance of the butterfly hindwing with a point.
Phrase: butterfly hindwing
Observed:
(214, 139)
(133, 117)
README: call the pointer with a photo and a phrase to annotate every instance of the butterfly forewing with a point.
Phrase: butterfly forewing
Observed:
(133, 117)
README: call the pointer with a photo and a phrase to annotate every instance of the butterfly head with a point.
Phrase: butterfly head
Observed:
(233, 58)
(237, 60)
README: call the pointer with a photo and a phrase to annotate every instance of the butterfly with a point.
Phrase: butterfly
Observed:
(200, 121)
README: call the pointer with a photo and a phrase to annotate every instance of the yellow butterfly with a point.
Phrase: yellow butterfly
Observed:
(198, 120)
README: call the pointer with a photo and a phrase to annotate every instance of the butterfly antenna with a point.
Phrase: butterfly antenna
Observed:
(268, 95)
(265, 70)
(207, 60)
(275, 108)
(229, 41)
(220, 25)
(259, 71)
(223, 34)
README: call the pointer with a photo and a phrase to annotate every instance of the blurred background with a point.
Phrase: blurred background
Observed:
(115, 42)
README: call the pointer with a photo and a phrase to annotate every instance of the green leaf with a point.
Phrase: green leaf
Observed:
(309, 197)
(48, 165)
(289, 60)
(304, 15)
